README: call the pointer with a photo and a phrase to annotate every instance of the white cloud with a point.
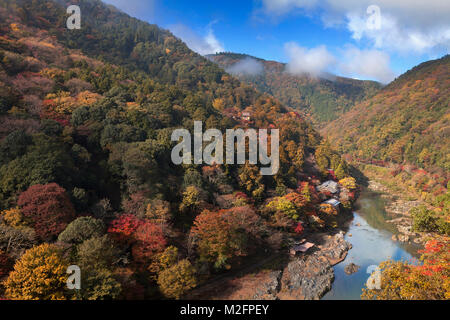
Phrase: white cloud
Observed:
(207, 44)
(247, 66)
(406, 25)
(393, 36)
(365, 64)
(315, 61)
(350, 62)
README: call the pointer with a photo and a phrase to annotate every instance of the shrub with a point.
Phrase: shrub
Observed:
(423, 219)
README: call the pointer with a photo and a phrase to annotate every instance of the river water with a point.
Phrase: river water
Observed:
(372, 244)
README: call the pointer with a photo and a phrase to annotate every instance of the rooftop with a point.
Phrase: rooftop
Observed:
(333, 202)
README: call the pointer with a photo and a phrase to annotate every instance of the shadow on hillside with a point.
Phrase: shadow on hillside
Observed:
(361, 179)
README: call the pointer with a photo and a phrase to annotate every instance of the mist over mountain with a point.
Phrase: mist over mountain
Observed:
(322, 98)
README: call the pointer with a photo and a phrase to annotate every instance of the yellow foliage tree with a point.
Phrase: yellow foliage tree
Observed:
(219, 104)
(13, 218)
(164, 260)
(328, 209)
(40, 274)
(349, 183)
(87, 98)
(177, 280)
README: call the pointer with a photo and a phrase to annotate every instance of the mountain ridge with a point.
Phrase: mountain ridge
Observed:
(406, 121)
(320, 99)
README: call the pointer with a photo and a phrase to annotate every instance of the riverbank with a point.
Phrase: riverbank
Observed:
(308, 276)
(398, 208)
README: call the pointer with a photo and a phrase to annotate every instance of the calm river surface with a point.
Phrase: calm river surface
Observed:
(372, 244)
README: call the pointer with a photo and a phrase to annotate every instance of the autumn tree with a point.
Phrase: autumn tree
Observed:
(164, 260)
(13, 217)
(40, 274)
(427, 281)
(149, 241)
(251, 181)
(342, 170)
(82, 229)
(177, 280)
(48, 208)
(97, 252)
(284, 206)
(123, 227)
(158, 212)
(193, 199)
(97, 257)
(349, 183)
(99, 285)
(14, 241)
(221, 235)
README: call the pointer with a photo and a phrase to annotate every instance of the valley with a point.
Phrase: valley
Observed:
(107, 163)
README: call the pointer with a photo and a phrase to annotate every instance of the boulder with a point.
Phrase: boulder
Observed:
(336, 250)
(351, 268)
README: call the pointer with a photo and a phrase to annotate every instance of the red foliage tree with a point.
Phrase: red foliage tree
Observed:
(123, 228)
(299, 228)
(48, 208)
(149, 241)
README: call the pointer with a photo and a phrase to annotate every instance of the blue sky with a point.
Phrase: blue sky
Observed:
(312, 36)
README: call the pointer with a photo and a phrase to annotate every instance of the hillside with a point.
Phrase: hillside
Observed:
(321, 100)
(408, 121)
(86, 176)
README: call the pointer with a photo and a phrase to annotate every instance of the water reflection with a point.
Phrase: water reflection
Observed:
(372, 244)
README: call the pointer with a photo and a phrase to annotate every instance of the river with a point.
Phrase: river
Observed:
(372, 244)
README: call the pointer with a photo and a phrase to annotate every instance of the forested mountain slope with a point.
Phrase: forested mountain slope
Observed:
(408, 121)
(86, 176)
(322, 100)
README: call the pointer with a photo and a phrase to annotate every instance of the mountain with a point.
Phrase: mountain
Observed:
(322, 100)
(86, 176)
(408, 121)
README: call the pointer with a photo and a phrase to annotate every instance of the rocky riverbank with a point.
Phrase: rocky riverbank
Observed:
(309, 276)
(398, 209)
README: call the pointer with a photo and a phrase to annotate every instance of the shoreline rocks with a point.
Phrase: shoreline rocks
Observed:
(269, 289)
(310, 276)
(307, 278)
(398, 208)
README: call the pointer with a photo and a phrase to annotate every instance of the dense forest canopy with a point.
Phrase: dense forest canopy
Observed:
(86, 118)
(407, 122)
